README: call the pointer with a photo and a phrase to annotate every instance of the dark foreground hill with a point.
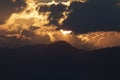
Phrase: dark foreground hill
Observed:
(59, 61)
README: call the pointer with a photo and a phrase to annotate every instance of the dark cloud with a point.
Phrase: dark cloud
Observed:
(43, 8)
(94, 15)
(61, 0)
(51, 0)
(56, 12)
(7, 7)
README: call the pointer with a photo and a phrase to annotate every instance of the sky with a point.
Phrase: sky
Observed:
(94, 15)
(82, 24)
(7, 7)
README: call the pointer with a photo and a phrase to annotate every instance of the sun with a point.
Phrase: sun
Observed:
(65, 32)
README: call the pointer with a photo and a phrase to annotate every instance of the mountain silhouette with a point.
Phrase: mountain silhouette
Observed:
(60, 44)
(59, 61)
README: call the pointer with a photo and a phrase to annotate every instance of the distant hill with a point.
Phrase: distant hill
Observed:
(59, 61)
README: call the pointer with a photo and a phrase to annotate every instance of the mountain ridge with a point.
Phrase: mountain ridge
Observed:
(59, 63)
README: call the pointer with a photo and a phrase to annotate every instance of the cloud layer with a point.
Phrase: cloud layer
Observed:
(33, 22)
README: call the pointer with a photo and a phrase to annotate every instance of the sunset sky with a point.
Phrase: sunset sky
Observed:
(78, 22)
(90, 16)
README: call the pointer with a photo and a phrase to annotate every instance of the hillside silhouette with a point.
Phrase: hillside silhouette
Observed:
(59, 61)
